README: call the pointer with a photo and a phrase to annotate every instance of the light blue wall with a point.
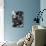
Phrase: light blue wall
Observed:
(29, 7)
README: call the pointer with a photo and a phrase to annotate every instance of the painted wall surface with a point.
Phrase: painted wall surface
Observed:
(29, 7)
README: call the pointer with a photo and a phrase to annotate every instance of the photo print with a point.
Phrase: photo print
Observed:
(17, 19)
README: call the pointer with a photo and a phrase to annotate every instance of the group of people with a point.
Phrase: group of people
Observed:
(17, 19)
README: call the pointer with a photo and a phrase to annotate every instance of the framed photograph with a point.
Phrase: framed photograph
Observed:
(17, 18)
